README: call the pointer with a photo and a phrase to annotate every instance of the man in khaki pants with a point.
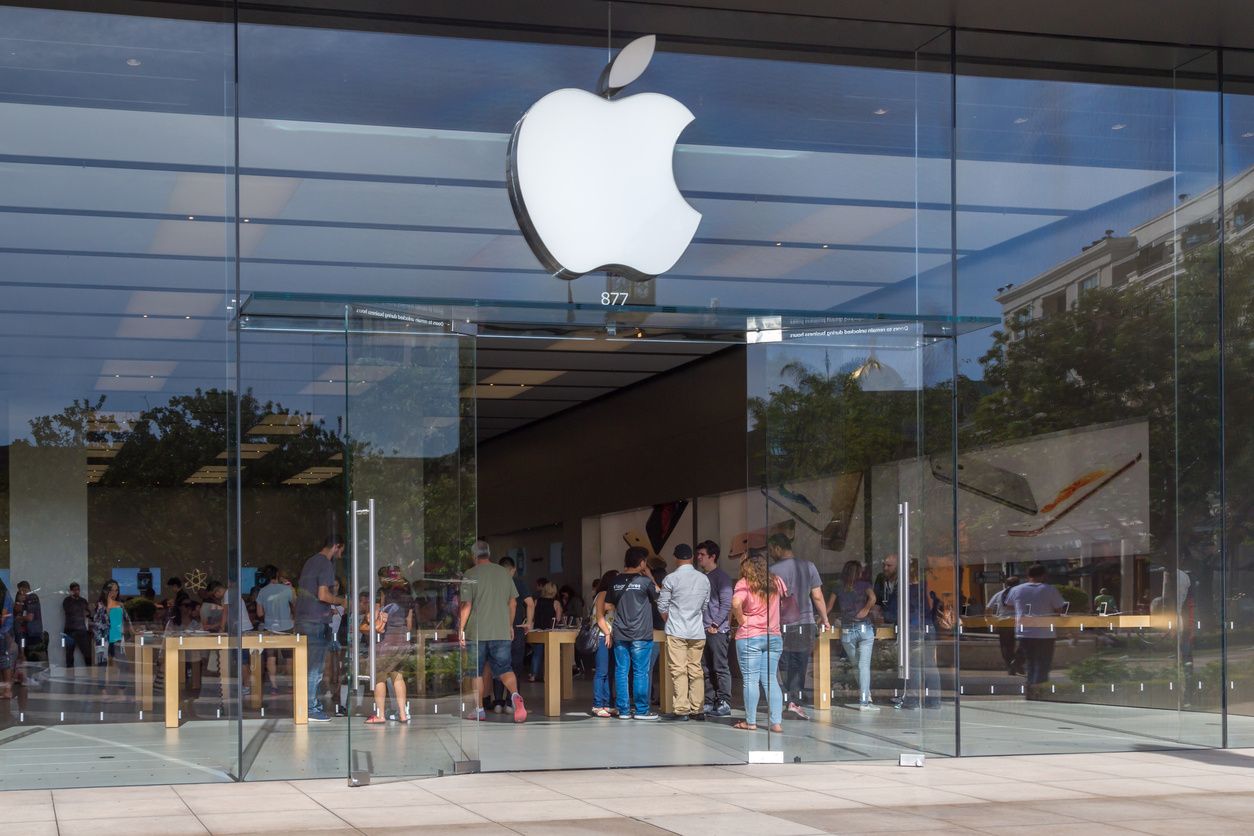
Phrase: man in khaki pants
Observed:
(681, 603)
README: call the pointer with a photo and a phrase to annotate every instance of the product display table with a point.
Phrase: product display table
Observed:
(174, 647)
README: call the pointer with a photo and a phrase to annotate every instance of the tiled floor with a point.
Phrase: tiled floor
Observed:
(1168, 792)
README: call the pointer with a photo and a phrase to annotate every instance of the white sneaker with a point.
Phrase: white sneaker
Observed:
(868, 706)
(498, 708)
(508, 708)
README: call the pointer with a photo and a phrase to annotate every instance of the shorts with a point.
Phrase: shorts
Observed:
(388, 659)
(494, 654)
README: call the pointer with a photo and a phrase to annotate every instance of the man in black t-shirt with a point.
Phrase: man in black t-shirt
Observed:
(632, 595)
(77, 614)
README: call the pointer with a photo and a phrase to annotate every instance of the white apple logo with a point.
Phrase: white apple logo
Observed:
(590, 177)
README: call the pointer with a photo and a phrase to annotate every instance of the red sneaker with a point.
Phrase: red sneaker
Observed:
(520, 710)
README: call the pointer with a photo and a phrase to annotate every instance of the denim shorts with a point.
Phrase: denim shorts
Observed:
(496, 655)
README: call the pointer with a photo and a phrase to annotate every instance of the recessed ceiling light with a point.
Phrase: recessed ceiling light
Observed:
(1021, 120)
(824, 246)
(879, 111)
(245, 220)
(145, 316)
(133, 62)
(779, 243)
(191, 217)
(1118, 126)
(1247, 135)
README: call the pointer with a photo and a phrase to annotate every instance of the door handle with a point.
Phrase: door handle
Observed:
(374, 638)
(354, 630)
(903, 588)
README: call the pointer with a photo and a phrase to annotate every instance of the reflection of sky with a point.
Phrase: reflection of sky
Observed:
(373, 163)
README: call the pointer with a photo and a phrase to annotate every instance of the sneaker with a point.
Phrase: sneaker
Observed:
(319, 716)
(723, 709)
(868, 706)
(624, 715)
(699, 717)
(651, 715)
(708, 708)
(673, 718)
(520, 708)
(476, 714)
(498, 708)
(905, 705)
(341, 711)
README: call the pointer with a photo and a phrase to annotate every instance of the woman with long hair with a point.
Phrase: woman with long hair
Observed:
(602, 699)
(759, 642)
(112, 625)
(855, 599)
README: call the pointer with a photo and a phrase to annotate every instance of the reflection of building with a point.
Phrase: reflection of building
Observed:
(1151, 252)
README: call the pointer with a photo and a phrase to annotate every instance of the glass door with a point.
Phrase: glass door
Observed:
(410, 490)
(849, 476)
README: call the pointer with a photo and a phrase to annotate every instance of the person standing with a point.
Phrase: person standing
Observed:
(759, 643)
(391, 623)
(112, 625)
(798, 611)
(602, 705)
(548, 614)
(489, 601)
(885, 589)
(999, 608)
(1034, 603)
(77, 611)
(524, 618)
(632, 596)
(30, 628)
(275, 601)
(853, 600)
(714, 665)
(682, 601)
(315, 600)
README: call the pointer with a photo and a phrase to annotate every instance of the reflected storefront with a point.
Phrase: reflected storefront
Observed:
(964, 312)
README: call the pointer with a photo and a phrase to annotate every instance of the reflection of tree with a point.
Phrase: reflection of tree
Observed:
(141, 512)
(1139, 351)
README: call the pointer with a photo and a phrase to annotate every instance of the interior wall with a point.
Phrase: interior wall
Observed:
(673, 436)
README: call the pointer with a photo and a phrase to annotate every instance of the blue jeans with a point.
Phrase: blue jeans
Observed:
(759, 668)
(633, 658)
(858, 641)
(319, 636)
(601, 678)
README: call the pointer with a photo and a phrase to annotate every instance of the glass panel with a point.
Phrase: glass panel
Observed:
(1088, 442)
(1238, 284)
(842, 497)
(116, 254)
(410, 443)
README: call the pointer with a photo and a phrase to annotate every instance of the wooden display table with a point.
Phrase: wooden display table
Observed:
(1074, 622)
(175, 646)
(823, 659)
(559, 664)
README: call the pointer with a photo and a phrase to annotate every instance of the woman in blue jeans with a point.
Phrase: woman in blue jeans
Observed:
(602, 701)
(759, 642)
(855, 598)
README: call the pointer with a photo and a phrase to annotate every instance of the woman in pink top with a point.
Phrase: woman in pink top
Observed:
(755, 611)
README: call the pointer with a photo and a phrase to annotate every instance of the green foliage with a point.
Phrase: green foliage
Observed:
(140, 609)
(1076, 597)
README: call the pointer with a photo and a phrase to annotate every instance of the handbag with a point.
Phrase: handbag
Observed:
(589, 639)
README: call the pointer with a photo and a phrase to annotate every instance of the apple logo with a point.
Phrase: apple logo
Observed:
(590, 176)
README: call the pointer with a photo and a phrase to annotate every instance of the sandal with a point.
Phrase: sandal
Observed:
(375, 720)
(743, 726)
(601, 712)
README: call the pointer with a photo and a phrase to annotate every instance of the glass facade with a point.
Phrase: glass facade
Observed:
(956, 354)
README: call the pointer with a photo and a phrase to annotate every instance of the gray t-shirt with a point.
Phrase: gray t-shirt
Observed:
(275, 600)
(318, 571)
(1032, 601)
(799, 577)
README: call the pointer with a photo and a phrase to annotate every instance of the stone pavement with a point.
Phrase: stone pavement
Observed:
(1169, 792)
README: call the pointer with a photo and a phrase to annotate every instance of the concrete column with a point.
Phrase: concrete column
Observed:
(48, 528)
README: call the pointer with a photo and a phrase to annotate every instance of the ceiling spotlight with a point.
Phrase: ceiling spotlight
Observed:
(1021, 120)
(191, 217)
(1248, 135)
(145, 316)
(245, 220)
(133, 62)
(879, 111)
(779, 243)
(824, 246)
(1118, 126)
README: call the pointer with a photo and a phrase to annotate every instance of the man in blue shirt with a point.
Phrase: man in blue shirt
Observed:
(717, 632)
(1035, 604)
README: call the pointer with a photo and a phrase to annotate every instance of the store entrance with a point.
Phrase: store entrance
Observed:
(564, 436)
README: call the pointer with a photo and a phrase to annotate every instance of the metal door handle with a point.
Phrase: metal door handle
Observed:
(374, 638)
(354, 631)
(903, 588)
